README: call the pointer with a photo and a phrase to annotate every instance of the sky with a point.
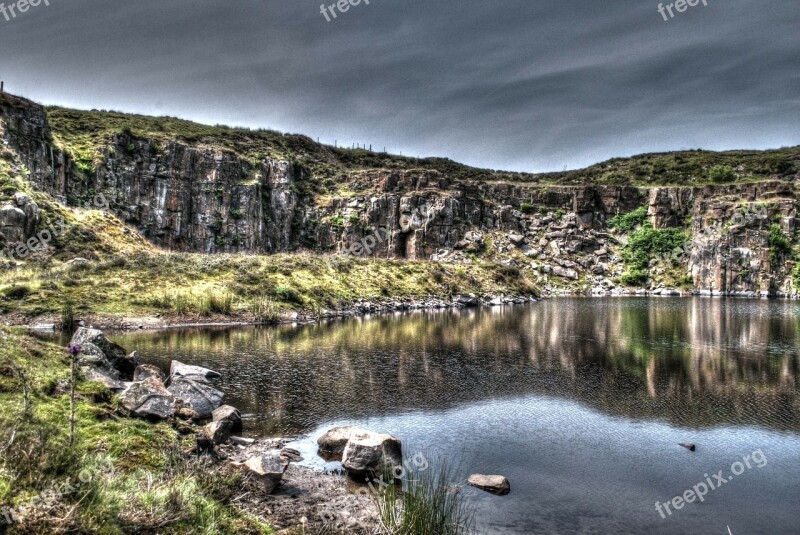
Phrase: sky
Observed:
(525, 85)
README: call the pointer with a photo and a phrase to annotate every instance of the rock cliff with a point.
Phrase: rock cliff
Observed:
(202, 197)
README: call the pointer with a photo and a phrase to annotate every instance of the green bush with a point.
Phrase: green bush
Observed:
(625, 223)
(287, 294)
(779, 246)
(526, 208)
(722, 173)
(634, 278)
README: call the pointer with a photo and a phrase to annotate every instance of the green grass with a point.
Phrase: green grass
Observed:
(428, 502)
(121, 475)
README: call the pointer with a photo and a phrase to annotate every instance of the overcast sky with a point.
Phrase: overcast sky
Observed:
(530, 85)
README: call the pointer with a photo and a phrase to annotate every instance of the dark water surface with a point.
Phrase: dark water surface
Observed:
(580, 402)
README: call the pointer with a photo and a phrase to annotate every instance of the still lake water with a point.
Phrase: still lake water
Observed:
(580, 402)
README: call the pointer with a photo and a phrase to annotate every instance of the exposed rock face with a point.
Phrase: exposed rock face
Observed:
(192, 198)
(149, 399)
(495, 484)
(19, 220)
(370, 454)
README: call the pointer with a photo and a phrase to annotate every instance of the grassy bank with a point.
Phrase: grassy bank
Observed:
(119, 476)
(235, 287)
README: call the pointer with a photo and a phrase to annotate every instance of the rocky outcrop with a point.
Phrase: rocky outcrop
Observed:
(187, 196)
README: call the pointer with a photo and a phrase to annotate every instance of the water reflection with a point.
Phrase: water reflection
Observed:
(689, 362)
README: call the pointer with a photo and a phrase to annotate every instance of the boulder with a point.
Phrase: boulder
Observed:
(332, 443)
(369, 454)
(516, 238)
(199, 396)
(116, 355)
(219, 431)
(468, 300)
(149, 399)
(495, 484)
(100, 375)
(146, 371)
(93, 356)
(291, 455)
(229, 414)
(196, 373)
(269, 468)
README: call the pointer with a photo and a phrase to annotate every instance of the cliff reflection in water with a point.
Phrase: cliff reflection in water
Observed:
(692, 362)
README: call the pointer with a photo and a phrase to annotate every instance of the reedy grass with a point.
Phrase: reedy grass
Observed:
(427, 502)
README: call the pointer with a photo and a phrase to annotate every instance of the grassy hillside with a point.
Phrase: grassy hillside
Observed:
(82, 133)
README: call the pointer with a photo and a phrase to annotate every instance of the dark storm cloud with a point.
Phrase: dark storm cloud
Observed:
(515, 84)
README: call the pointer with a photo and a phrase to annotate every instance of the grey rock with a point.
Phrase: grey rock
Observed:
(370, 454)
(92, 373)
(145, 371)
(229, 414)
(198, 396)
(268, 468)
(334, 440)
(495, 484)
(196, 373)
(116, 354)
(149, 399)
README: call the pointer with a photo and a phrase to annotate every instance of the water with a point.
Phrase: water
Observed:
(581, 403)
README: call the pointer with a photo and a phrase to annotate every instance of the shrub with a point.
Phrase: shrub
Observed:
(526, 208)
(18, 291)
(625, 223)
(722, 173)
(779, 246)
(287, 294)
(634, 277)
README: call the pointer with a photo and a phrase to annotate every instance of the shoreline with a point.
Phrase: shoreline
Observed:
(48, 323)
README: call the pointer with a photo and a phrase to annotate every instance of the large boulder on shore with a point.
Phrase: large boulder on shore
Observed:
(198, 396)
(495, 484)
(115, 354)
(109, 378)
(369, 454)
(332, 443)
(229, 414)
(195, 373)
(269, 468)
(146, 371)
(149, 399)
